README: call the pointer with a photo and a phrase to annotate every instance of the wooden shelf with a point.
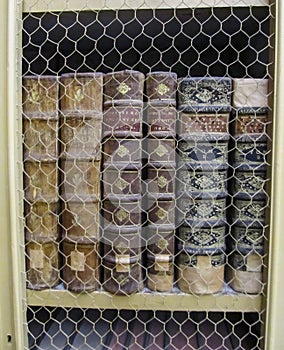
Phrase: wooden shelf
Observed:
(75, 5)
(146, 300)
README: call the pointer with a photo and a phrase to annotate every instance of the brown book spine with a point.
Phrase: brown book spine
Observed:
(81, 119)
(122, 188)
(40, 152)
(42, 264)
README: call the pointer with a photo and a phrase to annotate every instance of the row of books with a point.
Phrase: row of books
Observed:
(86, 130)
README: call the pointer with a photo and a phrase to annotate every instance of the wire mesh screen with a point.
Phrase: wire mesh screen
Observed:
(146, 156)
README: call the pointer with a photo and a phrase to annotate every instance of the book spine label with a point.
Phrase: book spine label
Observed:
(122, 121)
(161, 120)
(207, 95)
(161, 212)
(203, 210)
(196, 123)
(40, 97)
(41, 221)
(124, 86)
(249, 184)
(161, 182)
(249, 211)
(250, 154)
(161, 86)
(122, 213)
(249, 124)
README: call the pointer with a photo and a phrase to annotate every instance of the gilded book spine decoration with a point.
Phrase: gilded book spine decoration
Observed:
(248, 186)
(122, 163)
(81, 97)
(161, 140)
(40, 130)
(203, 135)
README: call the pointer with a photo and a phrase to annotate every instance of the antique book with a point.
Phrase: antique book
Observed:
(245, 272)
(161, 211)
(80, 271)
(40, 160)
(250, 95)
(42, 264)
(204, 94)
(123, 87)
(81, 100)
(200, 274)
(161, 88)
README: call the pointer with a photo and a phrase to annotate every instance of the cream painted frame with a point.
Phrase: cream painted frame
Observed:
(12, 290)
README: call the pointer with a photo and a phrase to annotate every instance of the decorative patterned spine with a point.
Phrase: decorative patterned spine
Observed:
(122, 163)
(203, 135)
(40, 130)
(161, 119)
(250, 200)
(81, 97)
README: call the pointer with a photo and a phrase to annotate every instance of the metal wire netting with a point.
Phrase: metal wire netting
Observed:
(146, 157)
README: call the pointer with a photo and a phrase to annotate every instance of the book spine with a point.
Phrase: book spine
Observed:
(81, 97)
(122, 190)
(248, 185)
(203, 138)
(161, 142)
(40, 158)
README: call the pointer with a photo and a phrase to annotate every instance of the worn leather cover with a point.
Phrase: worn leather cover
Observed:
(81, 266)
(42, 264)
